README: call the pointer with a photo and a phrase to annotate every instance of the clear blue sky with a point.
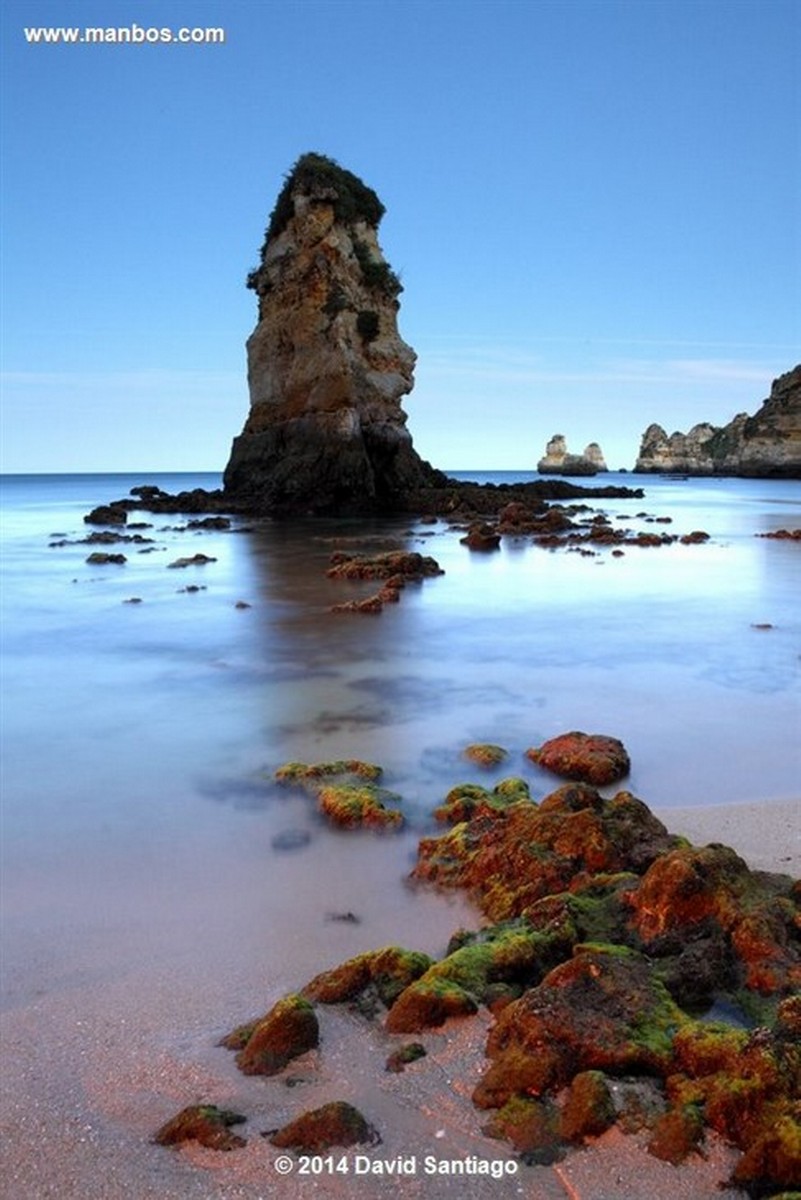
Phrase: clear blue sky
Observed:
(593, 204)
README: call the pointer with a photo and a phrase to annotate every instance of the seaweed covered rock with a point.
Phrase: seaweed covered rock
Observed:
(203, 1123)
(468, 800)
(750, 919)
(590, 757)
(265, 1046)
(747, 1085)
(531, 1126)
(510, 857)
(345, 791)
(485, 754)
(309, 774)
(387, 972)
(352, 807)
(588, 1110)
(603, 1009)
(495, 963)
(335, 1124)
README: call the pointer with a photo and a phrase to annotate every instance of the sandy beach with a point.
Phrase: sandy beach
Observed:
(96, 1058)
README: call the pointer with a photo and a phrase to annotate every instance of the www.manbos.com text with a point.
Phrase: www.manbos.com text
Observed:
(117, 35)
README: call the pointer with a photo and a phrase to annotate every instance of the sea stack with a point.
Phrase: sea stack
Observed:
(767, 444)
(558, 461)
(327, 368)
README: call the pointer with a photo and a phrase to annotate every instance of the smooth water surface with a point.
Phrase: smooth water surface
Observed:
(140, 738)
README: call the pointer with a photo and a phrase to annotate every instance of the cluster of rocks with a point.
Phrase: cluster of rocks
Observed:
(346, 791)
(766, 444)
(558, 461)
(574, 526)
(608, 948)
(395, 568)
(788, 535)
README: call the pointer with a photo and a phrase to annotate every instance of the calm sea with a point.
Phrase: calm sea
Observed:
(139, 739)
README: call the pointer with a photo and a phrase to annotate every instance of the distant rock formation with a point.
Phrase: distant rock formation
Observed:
(326, 365)
(767, 444)
(557, 460)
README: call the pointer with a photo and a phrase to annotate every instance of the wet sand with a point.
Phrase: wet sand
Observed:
(111, 1025)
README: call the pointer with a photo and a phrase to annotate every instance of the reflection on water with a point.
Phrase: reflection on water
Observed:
(150, 859)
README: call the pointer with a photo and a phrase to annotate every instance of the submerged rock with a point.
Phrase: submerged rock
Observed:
(346, 792)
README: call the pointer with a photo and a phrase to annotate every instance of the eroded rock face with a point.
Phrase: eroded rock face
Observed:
(767, 444)
(326, 365)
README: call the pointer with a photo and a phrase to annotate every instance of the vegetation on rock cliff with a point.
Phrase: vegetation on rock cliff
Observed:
(353, 201)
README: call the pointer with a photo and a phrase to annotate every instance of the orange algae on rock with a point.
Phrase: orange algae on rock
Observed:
(309, 774)
(610, 939)
(352, 807)
(590, 757)
(389, 971)
(265, 1046)
(346, 792)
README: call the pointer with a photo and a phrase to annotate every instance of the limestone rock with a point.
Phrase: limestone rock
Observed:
(595, 455)
(558, 461)
(326, 365)
(767, 444)
(554, 458)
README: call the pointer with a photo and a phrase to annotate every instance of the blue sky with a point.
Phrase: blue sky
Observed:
(593, 205)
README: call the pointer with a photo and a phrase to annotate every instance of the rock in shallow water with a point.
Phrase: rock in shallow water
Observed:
(590, 757)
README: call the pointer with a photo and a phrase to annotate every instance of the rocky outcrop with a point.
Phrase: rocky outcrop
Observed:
(558, 461)
(767, 444)
(326, 365)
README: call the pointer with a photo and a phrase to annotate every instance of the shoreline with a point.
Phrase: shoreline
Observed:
(92, 1068)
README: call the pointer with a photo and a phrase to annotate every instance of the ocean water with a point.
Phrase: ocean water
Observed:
(145, 904)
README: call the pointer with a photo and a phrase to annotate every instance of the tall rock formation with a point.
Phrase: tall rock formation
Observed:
(557, 460)
(767, 444)
(327, 368)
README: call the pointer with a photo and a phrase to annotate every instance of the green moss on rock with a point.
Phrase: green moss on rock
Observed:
(310, 774)
(389, 970)
(485, 754)
(352, 807)
(288, 1030)
(588, 1110)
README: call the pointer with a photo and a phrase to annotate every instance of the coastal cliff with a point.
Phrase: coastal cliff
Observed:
(327, 367)
(558, 461)
(766, 444)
